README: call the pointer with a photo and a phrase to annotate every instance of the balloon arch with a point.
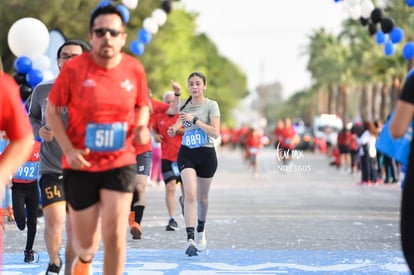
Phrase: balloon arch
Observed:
(379, 25)
(28, 39)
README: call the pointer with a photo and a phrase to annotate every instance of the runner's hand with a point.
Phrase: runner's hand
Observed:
(76, 160)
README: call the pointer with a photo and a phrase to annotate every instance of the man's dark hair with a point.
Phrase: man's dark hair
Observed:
(80, 43)
(107, 9)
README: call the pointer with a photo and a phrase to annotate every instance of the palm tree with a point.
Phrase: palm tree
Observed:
(329, 70)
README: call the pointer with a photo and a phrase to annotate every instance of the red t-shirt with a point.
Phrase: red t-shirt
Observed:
(254, 141)
(29, 171)
(156, 108)
(169, 145)
(13, 117)
(344, 138)
(97, 95)
(278, 134)
(288, 141)
(353, 143)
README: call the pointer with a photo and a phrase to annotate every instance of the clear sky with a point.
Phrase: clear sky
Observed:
(267, 38)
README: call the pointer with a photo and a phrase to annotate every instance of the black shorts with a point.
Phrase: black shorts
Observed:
(343, 149)
(82, 188)
(144, 163)
(51, 189)
(202, 159)
(168, 173)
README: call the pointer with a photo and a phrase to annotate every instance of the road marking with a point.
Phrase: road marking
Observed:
(219, 262)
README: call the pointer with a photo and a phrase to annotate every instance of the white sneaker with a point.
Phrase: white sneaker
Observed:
(201, 240)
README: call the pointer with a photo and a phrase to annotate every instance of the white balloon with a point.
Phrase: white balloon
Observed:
(28, 36)
(366, 8)
(130, 4)
(41, 63)
(355, 12)
(352, 3)
(47, 75)
(150, 25)
(160, 16)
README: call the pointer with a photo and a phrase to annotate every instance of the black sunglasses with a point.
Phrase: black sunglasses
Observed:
(102, 32)
(68, 56)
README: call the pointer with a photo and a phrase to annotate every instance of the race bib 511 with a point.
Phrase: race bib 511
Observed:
(106, 137)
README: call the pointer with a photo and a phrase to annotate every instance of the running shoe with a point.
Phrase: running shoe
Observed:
(131, 218)
(172, 225)
(201, 240)
(80, 268)
(191, 249)
(28, 256)
(10, 214)
(135, 230)
(181, 200)
(53, 269)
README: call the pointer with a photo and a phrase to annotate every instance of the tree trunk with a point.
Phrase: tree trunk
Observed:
(342, 104)
(375, 101)
(331, 98)
(395, 91)
(365, 99)
(384, 110)
(322, 101)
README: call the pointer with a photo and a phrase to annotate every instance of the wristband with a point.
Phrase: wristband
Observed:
(177, 94)
(195, 120)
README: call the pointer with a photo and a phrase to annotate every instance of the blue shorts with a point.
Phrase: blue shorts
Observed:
(167, 171)
(144, 163)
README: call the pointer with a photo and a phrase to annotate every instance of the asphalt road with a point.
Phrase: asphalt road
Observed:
(305, 217)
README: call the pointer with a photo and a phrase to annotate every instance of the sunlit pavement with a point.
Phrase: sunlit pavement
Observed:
(305, 218)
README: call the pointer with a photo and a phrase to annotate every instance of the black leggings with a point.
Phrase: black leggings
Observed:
(25, 204)
(407, 220)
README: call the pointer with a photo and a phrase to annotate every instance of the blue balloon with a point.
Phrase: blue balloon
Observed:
(34, 77)
(410, 3)
(408, 50)
(22, 65)
(409, 74)
(396, 35)
(380, 37)
(124, 12)
(144, 35)
(389, 48)
(137, 47)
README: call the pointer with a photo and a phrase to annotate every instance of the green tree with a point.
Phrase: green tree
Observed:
(174, 52)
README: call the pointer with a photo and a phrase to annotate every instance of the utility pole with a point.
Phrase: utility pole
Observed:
(262, 93)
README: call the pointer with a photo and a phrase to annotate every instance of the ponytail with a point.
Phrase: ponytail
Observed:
(185, 104)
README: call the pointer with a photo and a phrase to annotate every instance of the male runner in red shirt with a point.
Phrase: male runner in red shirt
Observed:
(106, 94)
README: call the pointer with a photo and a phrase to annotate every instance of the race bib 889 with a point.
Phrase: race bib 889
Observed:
(194, 138)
